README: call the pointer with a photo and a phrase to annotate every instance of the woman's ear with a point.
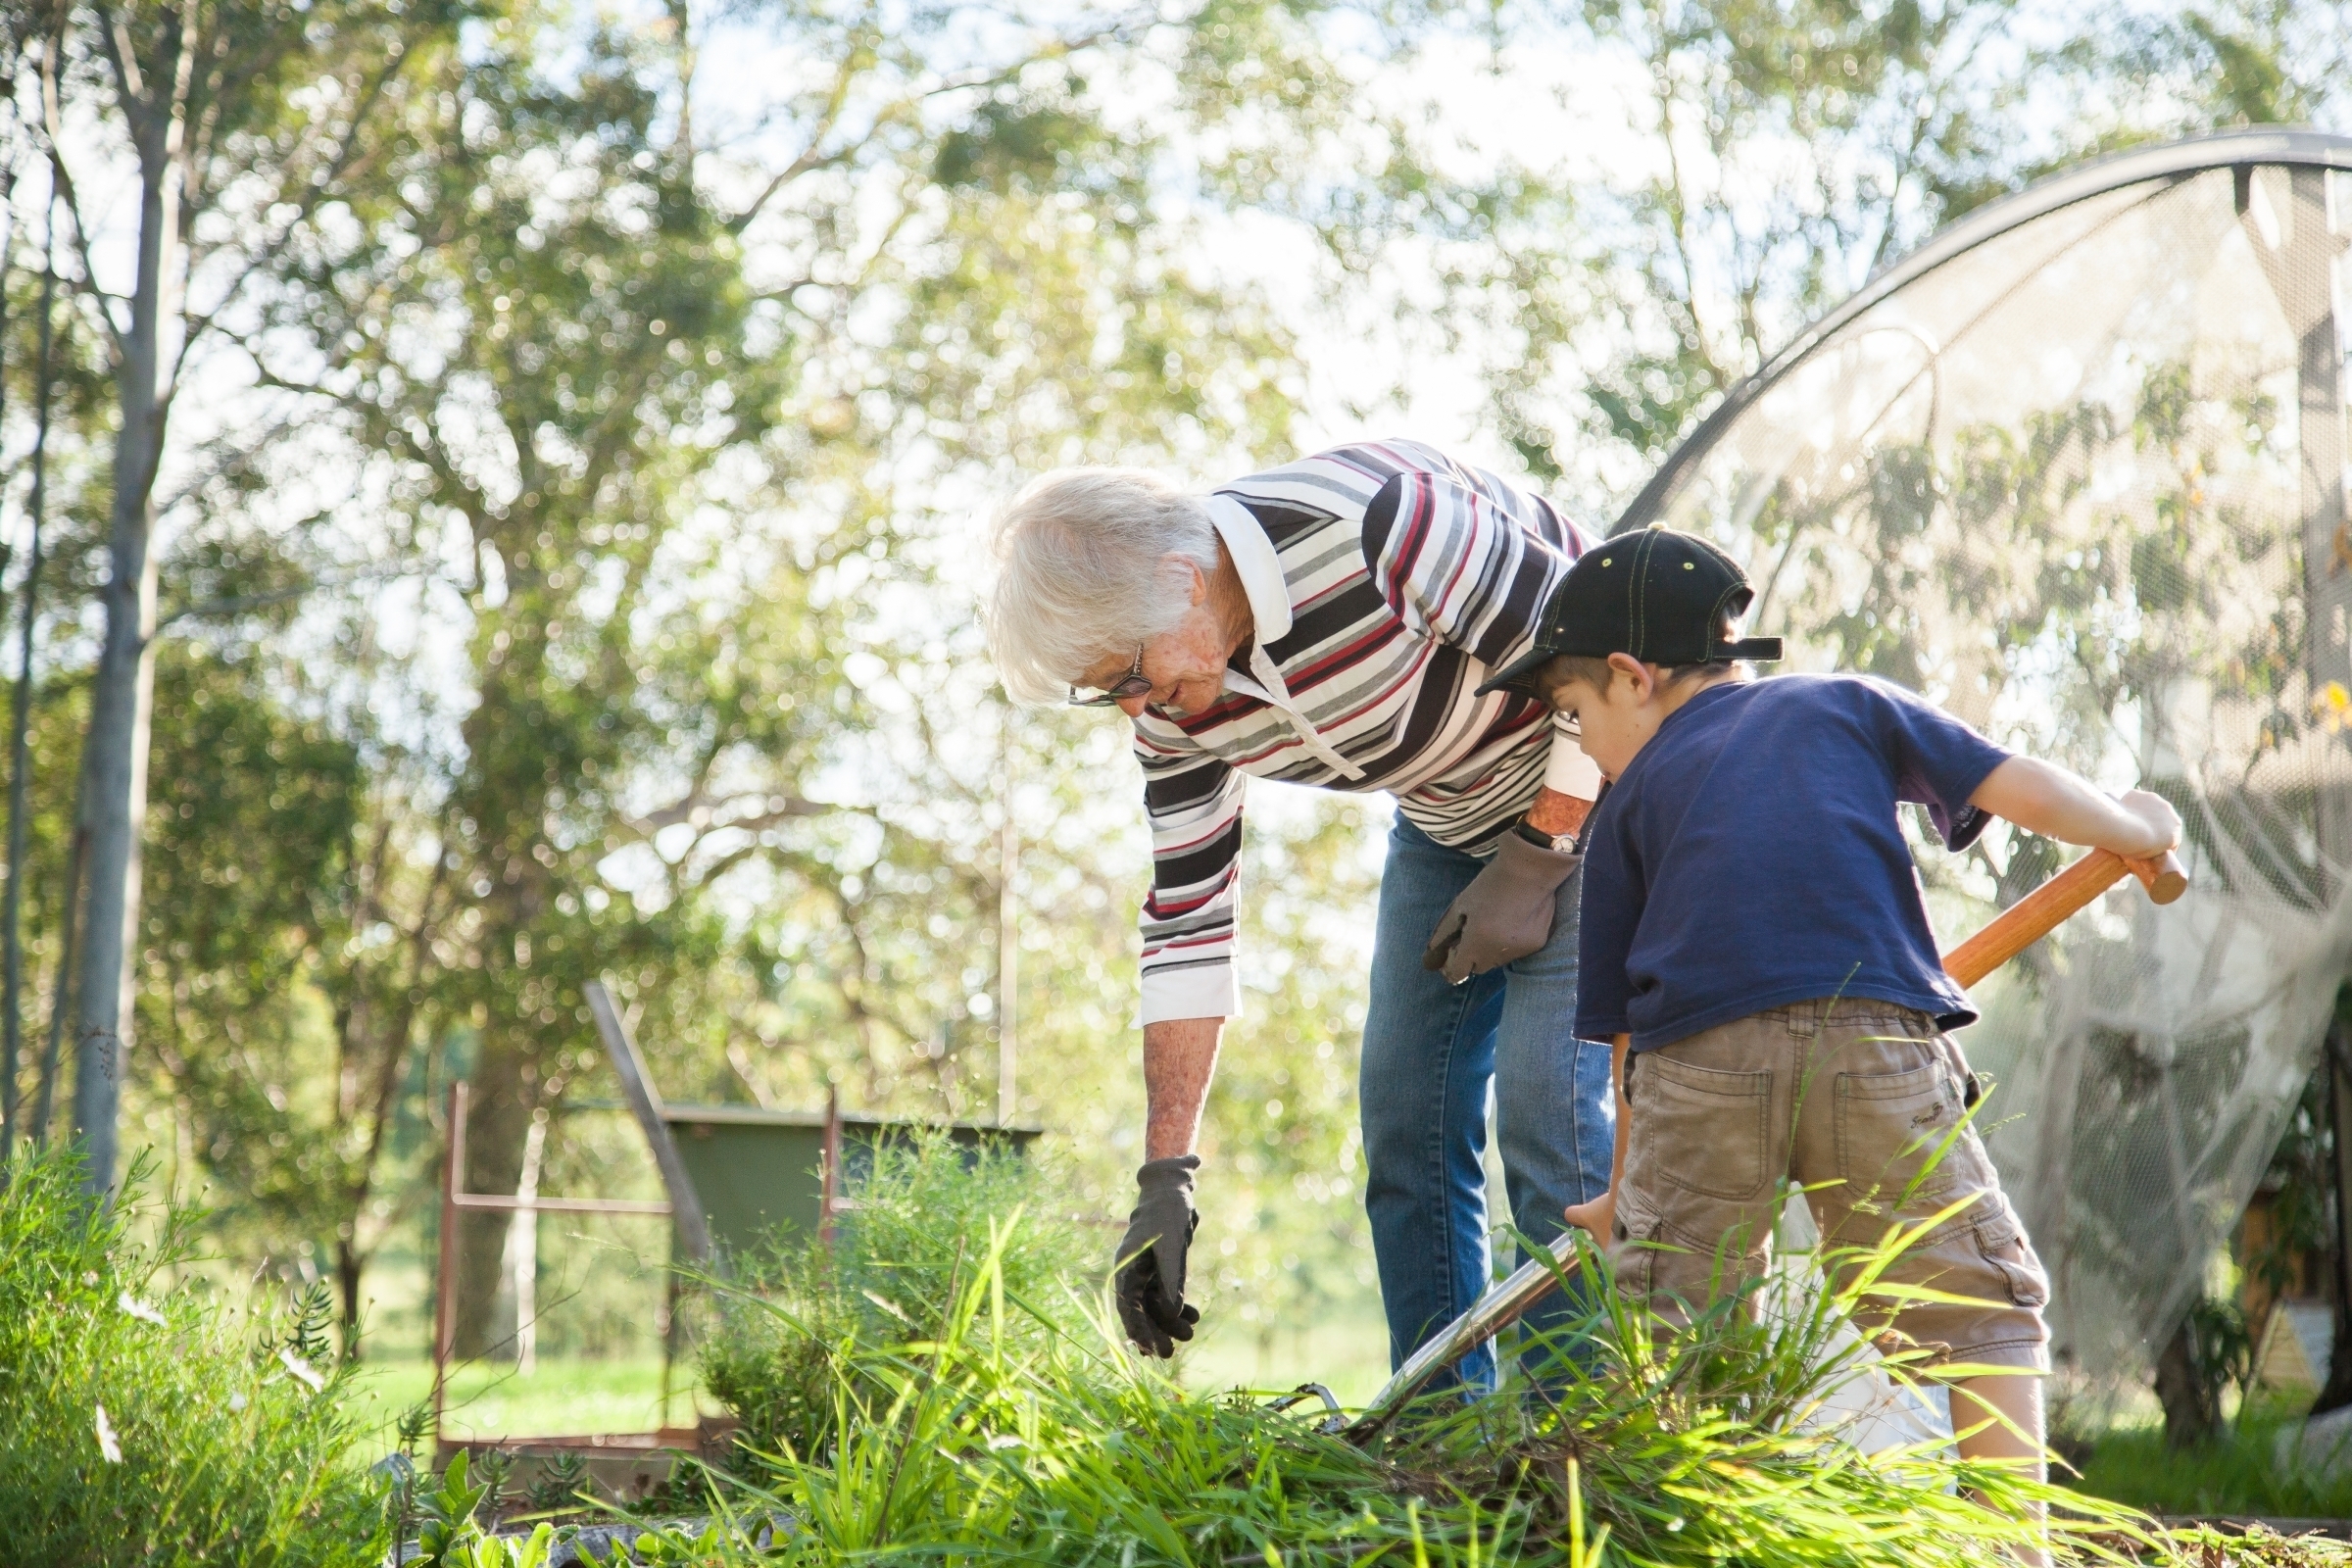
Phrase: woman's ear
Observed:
(1186, 571)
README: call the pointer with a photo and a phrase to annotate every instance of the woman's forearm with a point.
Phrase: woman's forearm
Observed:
(1180, 1058)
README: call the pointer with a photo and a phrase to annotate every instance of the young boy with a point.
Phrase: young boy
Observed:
(1755, 944)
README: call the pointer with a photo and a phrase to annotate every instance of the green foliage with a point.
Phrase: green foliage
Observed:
(450, 1535)
(1686, 270)
(786, 1325)
(1006, 1424)
(665, 436)
(142, 1421)
(1788, 151)
(252, 822)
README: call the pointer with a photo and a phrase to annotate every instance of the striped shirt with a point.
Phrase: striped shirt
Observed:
(1384, 579)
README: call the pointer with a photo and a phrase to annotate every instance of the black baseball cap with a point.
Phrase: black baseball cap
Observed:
(1659, 595)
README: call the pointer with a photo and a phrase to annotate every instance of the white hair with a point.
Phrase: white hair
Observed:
(1084, 571)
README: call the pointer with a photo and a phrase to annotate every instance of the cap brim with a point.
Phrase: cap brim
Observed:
(1761, 650)
(1514, 676)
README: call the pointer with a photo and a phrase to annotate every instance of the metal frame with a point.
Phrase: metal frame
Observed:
(456, 1200)
(2174, 161)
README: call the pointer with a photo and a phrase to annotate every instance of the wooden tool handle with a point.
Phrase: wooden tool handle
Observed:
(2164, 877)
(2047, 907)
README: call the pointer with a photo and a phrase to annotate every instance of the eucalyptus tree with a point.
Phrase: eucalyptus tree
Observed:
(684, 403)
(231, 125)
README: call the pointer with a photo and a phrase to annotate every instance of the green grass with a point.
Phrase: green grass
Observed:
(564, 1395)
(943, 1389)
(990, 1415)
(2236, 1476)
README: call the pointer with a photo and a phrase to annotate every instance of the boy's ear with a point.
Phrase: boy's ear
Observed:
(1624, 666)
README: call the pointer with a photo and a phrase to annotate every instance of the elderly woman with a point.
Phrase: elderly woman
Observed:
(1329, 624)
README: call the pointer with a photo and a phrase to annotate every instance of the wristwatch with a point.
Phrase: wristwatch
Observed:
(1558, 842)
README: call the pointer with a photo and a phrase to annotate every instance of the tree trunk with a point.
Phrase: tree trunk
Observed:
(506, 801)
(391, 1052)
(121, 704)
(507, 1076)
(122, 693)
(20, 751)
(350, 1268)
(2192, 1413)
(498, 1123)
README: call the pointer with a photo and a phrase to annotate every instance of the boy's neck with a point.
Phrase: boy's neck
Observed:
(1670, 699)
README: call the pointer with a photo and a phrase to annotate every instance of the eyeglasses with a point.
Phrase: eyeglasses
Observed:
(1135, 683)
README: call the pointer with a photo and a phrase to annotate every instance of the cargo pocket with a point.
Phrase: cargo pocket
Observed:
(1634, 1244)
(1709, 1126)
(1896, 1142)
(2002, 1240)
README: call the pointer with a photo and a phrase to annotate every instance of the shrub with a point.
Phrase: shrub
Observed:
(142, 1420)
(788, 1320)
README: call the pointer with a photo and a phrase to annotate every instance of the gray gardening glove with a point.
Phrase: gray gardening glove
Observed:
(1150, 1262)
(1505, 913)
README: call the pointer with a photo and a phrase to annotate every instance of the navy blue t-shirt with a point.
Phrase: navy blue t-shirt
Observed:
(1750, 856)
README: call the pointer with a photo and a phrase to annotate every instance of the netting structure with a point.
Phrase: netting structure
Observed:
(2076, 471)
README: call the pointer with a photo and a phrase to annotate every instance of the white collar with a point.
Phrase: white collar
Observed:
(1260, 568)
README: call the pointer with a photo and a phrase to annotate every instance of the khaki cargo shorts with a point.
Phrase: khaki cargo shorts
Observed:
(1858, 1094)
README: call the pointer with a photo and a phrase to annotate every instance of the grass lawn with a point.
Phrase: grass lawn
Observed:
(1345, 1349)
(562, 1397)
(2238, 1475)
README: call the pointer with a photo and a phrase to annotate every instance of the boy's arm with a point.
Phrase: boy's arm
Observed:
(1598, 1218)
(2059, 805)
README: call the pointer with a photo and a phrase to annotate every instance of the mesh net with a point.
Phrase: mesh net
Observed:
(2082, 484)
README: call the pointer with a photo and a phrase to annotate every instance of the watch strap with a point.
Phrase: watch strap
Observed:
(1558, 842)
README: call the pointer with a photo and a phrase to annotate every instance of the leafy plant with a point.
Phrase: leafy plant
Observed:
(563, 1482)
(452, 1538)
(142, 1420)
(781, 1348)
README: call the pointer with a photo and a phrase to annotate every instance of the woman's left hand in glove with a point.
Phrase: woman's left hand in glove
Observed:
(1505, 913)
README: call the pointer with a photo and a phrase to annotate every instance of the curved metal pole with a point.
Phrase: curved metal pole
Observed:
(2310, 149)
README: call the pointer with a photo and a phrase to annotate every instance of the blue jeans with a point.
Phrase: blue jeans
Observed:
(1432, 1052)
